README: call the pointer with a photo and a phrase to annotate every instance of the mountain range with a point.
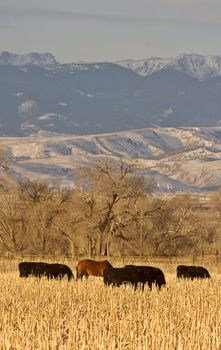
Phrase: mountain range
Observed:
(197, 66)
(39, 94)
(176, 159)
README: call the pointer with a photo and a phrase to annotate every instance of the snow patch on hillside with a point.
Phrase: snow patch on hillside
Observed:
(183, 159)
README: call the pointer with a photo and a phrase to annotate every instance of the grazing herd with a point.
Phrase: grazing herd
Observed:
(115, 276)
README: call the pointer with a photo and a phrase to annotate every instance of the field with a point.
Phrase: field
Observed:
(43, 315)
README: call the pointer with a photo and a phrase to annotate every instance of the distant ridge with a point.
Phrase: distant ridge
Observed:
(176, 159)
(33, 58)
(200, 67)
(197, 66)
(37, 93)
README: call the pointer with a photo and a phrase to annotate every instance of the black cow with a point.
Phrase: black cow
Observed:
(39, 269)
(184, 271)
(135, 275)
(36, 269)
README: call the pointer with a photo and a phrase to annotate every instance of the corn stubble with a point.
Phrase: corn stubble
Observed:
(43, 315)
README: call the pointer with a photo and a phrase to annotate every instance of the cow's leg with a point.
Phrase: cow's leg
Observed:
(86, 275)
(150, 284)
(135, 285)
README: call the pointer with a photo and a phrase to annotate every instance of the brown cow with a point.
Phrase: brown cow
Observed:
(88, 267)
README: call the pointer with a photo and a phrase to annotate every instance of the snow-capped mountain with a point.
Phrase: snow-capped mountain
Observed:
(177, 159)
(39, 94)
(197, 66)
(147, 66)
(33, 58)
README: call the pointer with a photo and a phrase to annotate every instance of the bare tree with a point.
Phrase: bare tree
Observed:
(139, 213)
(13, 223)
(12, 220)
(70, 223)
(43, 205)
(177, 227)
(106, 185)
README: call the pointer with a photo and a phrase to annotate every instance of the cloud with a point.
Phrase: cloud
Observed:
(63, 15)
(187, 18)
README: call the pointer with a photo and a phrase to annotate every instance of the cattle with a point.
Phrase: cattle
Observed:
(185, 271)
(40, 269)
(135, 275)
(89, 267)
(59, 271)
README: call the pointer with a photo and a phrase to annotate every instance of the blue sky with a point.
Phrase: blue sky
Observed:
(100, 30)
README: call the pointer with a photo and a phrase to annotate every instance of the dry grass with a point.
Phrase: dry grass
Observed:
(43, 315)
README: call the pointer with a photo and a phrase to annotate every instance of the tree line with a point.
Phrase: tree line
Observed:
(111, 211)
